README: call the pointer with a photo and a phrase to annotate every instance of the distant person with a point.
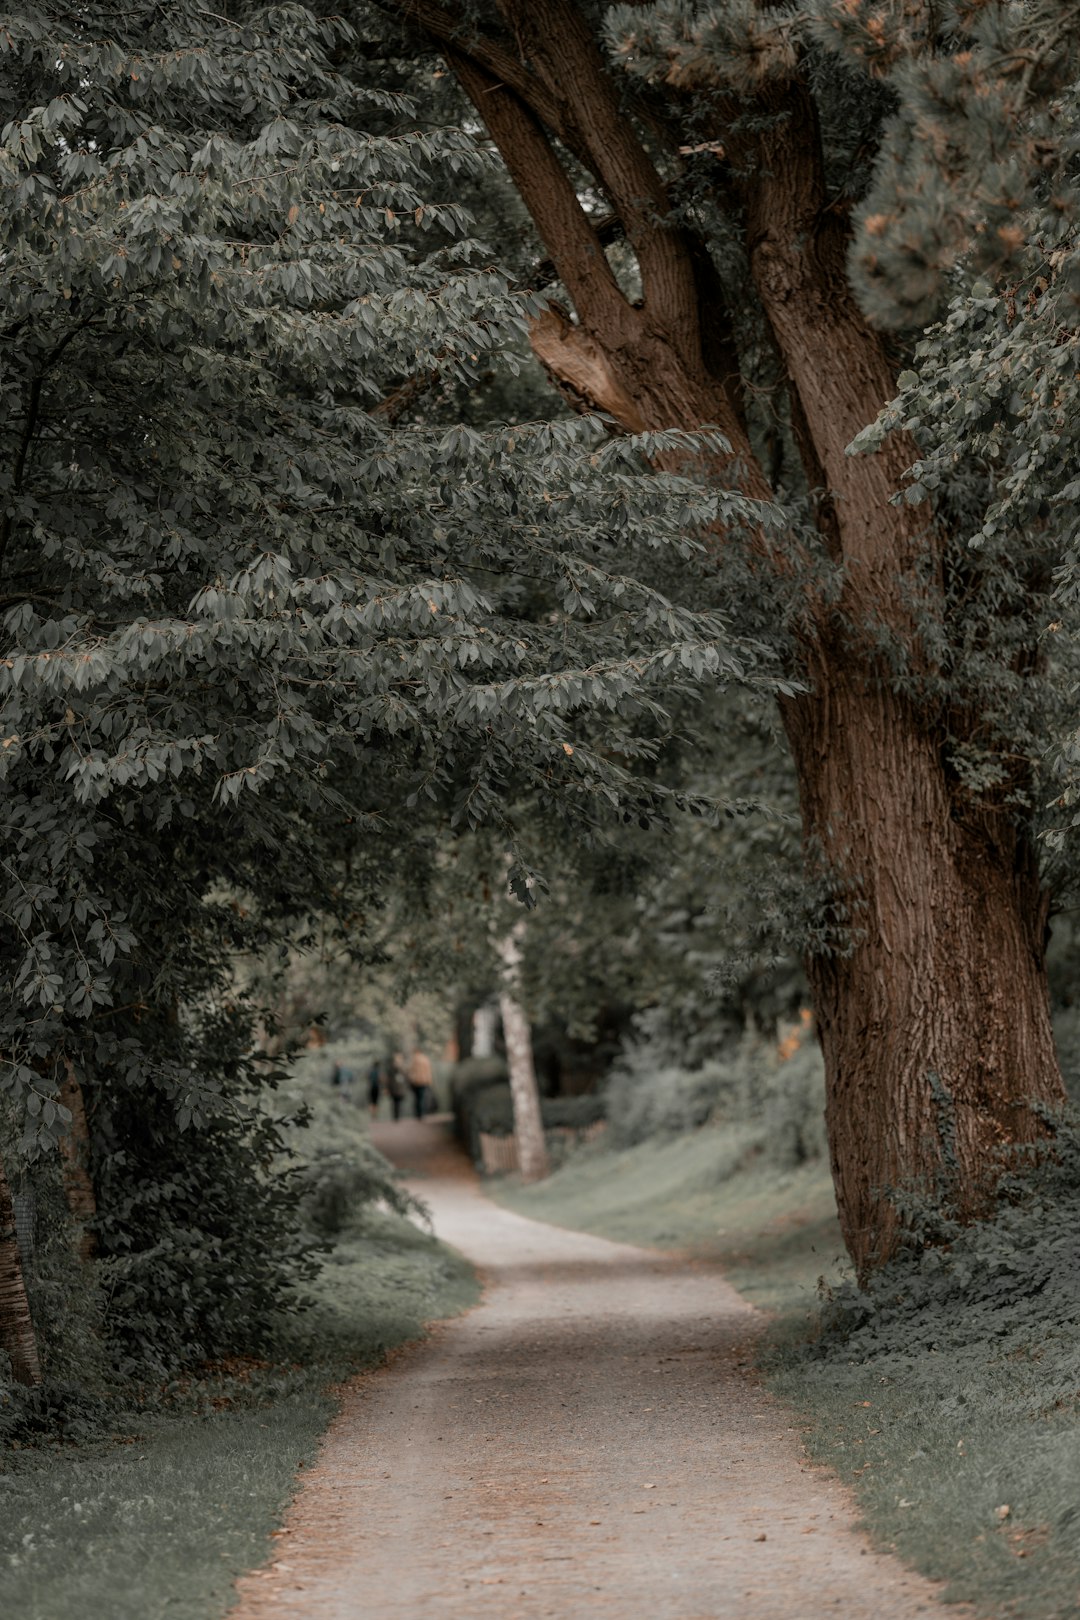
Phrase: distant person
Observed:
(395, 1083)
(375, 1086)
(421, 1083)
(341, 1078)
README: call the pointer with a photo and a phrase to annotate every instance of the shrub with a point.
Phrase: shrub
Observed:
(481, 1100)
(748, 1085)
(790, 1099)
(338, 1185)
(1012, 1279)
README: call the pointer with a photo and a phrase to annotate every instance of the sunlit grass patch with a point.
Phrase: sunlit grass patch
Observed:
(710, 1190)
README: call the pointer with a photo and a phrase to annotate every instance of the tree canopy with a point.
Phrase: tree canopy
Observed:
(266, 622)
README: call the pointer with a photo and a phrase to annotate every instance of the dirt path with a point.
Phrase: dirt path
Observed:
(587, 1441)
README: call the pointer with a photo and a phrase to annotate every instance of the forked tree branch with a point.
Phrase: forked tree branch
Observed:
(556, 37)
(547, 192)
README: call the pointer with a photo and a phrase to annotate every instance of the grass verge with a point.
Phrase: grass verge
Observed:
(159, 1518)
(774, 1231)
(952, 1410)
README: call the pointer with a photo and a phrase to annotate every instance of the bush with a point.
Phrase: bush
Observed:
(784, 1100)
(790, 1097)
(1012, 1279)
(481, 1101)
(471, 1082)
(338, 1185)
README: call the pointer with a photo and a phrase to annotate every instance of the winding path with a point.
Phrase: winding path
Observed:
(588, 1441)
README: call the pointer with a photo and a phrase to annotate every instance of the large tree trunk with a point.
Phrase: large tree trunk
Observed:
(16, 1327)
(933, 1012)
(932, 1007)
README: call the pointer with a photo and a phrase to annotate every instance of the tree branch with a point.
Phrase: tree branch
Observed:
(504, 68)
(33, 410)
(608, 229)
(581, 370)
(554, 35)
(546, 190)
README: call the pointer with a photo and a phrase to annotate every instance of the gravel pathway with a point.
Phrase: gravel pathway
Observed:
(588, 1441)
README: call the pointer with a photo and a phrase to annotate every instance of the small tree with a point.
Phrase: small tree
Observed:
(17, 1337)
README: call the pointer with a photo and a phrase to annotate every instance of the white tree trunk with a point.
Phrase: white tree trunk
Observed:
(483, 1031)
(528, 1124)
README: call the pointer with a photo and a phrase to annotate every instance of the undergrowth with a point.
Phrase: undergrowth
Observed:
(948, 1392)
(131, 1501)
(748, 1085)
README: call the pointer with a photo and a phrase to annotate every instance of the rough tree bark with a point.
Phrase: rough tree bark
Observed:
(935, 1022)
(16, 1326)
(525, 1093)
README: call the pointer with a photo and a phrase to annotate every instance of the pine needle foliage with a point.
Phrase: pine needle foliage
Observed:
(968, 120)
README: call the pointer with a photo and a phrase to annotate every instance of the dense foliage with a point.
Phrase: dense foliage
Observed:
(260, 627)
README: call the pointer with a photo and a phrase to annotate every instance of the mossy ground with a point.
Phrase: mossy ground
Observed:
(936, 1446)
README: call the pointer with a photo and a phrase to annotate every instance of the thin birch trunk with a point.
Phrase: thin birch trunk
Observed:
(483, 1032)
(528, 1125)
(16, 1327)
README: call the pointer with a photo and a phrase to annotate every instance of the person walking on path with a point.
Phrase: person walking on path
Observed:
(395, 1083)
(375, 1086)
(341, 1078)
(421, 1082)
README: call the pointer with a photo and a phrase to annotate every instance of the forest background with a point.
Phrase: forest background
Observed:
(733, 672)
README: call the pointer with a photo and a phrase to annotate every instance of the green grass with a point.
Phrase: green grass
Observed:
(936, 1449)
(161, 1526)
(933, 1442)
(774, 1231)
(160, 1519)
